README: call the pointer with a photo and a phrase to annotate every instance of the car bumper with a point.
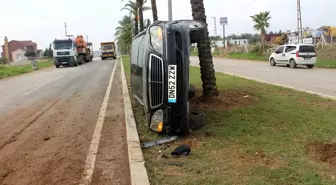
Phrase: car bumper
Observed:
(69, 60)
(302, 61)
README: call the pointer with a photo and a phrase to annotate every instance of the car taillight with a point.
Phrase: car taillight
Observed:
(297, 54)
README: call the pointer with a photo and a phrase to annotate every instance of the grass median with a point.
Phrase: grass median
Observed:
(255, 134)
(9, 71)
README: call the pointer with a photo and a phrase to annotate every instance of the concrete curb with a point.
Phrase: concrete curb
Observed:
(137, 167)
(281, 85)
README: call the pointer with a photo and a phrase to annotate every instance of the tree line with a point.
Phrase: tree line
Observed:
(133, 23)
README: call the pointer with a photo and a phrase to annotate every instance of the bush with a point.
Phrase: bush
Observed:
(3, 61)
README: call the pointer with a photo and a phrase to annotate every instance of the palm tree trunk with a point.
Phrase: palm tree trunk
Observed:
(136, 26)
(140, 4)
(154, 10)
(204, 53)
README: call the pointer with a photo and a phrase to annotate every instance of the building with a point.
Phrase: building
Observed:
(15, 50)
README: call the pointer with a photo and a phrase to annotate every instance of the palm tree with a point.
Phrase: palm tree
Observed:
(208, 75)
(124, 33)
(154, 10)
(133, 9)
(261, 24)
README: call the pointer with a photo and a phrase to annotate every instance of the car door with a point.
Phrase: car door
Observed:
(134, 63)
(140, 66)
(288, 53)
(278, 54)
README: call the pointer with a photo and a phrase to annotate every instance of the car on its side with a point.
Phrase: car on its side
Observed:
(293, 55)
(160, 73)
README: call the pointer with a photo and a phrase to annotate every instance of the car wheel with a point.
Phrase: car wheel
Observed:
(57, 66)
(292, 63)
(287, 65)
(196, 120)
(197, 30)
(310, 66)
(272, 62)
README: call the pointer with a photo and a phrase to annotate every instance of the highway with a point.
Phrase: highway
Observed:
(64, 126)
(317, 81)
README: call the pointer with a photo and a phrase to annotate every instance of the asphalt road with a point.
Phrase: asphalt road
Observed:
(47, 122)
(318, 81)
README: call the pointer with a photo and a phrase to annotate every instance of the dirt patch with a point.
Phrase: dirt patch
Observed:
(228, 99)
(324, 152)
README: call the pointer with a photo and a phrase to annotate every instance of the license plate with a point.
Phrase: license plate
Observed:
(306, 58)
(172, 83)
(64, 62)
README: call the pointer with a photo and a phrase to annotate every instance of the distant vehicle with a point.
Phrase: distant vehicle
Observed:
(160, 74)
(108, 50)
(69, 52)
(293, 55)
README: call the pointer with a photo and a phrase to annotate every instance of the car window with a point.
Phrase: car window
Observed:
(135, 49)
(307, 49)
(290, 48)
(142, 46)
(280, 50)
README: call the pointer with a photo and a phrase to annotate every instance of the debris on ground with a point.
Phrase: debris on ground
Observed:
(182, 150)
(158, 142)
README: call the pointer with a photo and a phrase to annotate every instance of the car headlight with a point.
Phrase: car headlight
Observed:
(156, 38)
(157, 121)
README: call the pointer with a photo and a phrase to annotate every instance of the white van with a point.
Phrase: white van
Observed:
(293, 55)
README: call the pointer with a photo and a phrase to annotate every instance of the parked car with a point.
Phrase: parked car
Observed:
(293, 55)
(160, 73)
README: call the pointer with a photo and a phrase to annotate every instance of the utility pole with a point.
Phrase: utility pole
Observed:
(299, 22)
(170, 10)
(65, 27)
(215, 26)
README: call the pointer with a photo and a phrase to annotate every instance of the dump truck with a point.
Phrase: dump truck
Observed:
(108, 50)
(70, 52)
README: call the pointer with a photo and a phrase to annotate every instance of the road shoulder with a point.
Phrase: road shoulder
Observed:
(138, 170)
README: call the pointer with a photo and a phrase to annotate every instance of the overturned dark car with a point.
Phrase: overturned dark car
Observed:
(160, 73)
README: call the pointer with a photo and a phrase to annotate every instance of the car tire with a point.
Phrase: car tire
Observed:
(310, 66)
(292, 63)
(196, 120)
(272, 62)
(57, 66)
(198, 30)
(192, 91)
(287, 65)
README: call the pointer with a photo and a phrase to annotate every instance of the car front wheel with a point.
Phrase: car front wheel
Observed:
(272, 62)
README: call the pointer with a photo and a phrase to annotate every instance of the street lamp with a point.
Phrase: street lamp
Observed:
(170, 11)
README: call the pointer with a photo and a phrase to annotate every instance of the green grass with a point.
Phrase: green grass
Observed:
(9, 71)
(255, 134)
(247, 56)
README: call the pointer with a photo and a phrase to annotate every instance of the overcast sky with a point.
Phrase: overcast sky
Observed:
(42, 21)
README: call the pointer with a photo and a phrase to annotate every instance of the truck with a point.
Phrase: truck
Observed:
(70, 52)
(108, 50)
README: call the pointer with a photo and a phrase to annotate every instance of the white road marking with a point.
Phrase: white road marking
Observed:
(40, 86)
(92, 153)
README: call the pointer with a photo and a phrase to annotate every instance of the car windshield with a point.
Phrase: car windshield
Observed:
(307, 49)
(62, 45)
(107, 47)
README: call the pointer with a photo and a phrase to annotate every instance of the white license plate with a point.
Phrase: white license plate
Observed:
(64, 62)
(306, 58)
(172, 83)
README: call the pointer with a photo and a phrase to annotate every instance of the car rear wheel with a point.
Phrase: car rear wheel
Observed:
(310, 66)
(272, 62)
(197, 30)
(292, 63)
